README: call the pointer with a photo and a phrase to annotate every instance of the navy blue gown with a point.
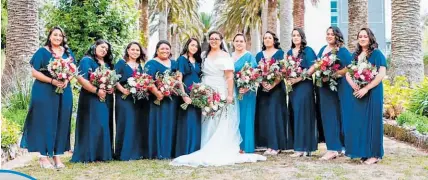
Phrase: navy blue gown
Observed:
(302, 107)
(162, 118)
(129, 121)
(47, 126)
(330, 105)
(93, 141)
(189, 120)
(363, 123)
(247, 107)
(272, 125)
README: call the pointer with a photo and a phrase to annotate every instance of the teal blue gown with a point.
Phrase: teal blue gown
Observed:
(162, 120)
(129, 119)
(273, 127)
(330, 105)
(302, 107)
(189, 120)
(47, 126)
(247, 107)
(363, 122)
(93, 141)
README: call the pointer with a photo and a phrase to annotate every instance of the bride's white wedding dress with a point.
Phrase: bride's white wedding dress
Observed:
(220, 134)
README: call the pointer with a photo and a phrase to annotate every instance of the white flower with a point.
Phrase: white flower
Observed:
(248, 71)
(269, 77)
(109, 86)
(103, 79)
(215, 107)
(292, 62)
(201, 87)
(204, 113)
(220, 105)
(207, 109)
(133, 90)
(166, 86)
(318, 73)
(162, 89)
(293, 74)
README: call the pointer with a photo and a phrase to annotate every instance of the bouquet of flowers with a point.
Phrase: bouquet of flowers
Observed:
(290, 68)
(104, 78)
(168, 84)
(206, 98)
(248, 78)
(269, 71)
(62, 70)
(325, 68)
(139, 85)
(362, 72)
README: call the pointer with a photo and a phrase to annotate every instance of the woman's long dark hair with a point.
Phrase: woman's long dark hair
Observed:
(275, 41)
(159, 44)
(141, 58)
(338, 36)
(197, 55)
(303, 42)
(63, 44)
(372, 43)
(108, 59)
(221, 40)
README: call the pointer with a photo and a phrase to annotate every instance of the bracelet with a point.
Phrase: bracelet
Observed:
(52, 80)
(96, 91)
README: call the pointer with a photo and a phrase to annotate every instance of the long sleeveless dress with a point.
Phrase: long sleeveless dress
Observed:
(189, 120)
(129, 124)
(220, 134)
(93, 141)
(364, 123)
(47, 126)
(302, 107)
(273, 127)
(247, 107)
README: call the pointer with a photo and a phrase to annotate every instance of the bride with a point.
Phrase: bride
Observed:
(220, 134)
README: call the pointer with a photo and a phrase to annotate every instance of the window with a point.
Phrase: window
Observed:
(333, 6)
(333, 19)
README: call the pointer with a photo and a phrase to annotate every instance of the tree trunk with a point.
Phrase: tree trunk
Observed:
(264, 18)
(358, 18)
(255, 40)
(272, 16)
(22, 40)
(163, 27)
(248, 40)
(284, 23)
(144, 22)
(406, 48)
(175, 47)
(299, 13)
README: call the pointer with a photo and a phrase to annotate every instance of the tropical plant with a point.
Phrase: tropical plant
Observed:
(396, 95)
(419, 99)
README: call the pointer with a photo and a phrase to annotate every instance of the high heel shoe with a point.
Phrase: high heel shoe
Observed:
(45, 165)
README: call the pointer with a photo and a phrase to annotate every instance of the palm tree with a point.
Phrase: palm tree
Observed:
(22, 40)
(358, 18)
(299, 12)
(406, 40)
(284, 23)
(144, 22)
(272, 15)
(207, 21)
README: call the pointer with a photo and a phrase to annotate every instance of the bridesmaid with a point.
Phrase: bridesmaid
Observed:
(363, 123)
(247, 106)
(330, 105)
(189, 120)
(129, 134)
(272, 125)
(47, 126)
(302, 104)
(93, 141)
(162, 118)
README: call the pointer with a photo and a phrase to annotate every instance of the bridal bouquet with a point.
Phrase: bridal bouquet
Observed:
(104, 78)
(248, 78)
(139, 85)
(269, 71)
(62, 70)
(206, 98)
(325, 68)
(362, 72)
(168, 84)
(290, 68)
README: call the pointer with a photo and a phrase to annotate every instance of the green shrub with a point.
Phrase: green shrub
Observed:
(396, 96)
(419, 99)
(413, 120)
(10, 133)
